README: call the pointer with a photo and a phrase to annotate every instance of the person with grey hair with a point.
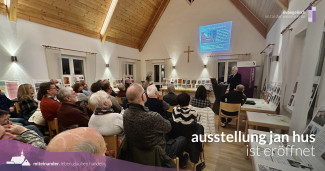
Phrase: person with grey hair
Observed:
(234, 79)
(154, 103)
(78, 140)
(69, 115)
(171, 97)
(104, 119)
(145, 129)
(122, 91)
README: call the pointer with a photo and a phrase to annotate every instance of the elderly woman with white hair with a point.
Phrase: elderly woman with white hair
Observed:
(104, 120)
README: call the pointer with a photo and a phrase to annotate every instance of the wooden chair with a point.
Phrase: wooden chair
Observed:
(176, 160)
(229, 107)
(112, 143)
(53, 127)
(17, 107)
(171, 108)
(119, 100)
(91, 107)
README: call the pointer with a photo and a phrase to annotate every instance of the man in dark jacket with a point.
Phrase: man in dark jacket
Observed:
(171, 97)
(145, 129)
(5, 103)
(236, 96)
(69, 115)
(234, 79)
(154, 103)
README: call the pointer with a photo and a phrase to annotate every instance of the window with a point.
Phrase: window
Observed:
(224, 69)
(159, 72)
(129, 70)
(72, 69)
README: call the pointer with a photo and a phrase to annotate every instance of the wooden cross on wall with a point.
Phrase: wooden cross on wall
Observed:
(188, 54)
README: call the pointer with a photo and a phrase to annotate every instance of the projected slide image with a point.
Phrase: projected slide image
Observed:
(215, 37)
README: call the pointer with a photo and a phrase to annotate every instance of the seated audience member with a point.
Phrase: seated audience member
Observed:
(154, 103)
(127, 83)
(104, 120)
(96, 86)
(184, 113)
(200, 99)
(219, 91)
(81, 139)
(49, 103)
(26, 101)
(115, 105)
(113, 93)
(122, 91)
(77, 87)
(171, 97)
(236, 96)
(9, 130)
(185, 124)
(69, 115)
(85, 90)
(54, 81)
(5, 120)
(5, 103)
(145, 129)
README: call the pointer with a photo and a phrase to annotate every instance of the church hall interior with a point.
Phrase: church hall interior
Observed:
(157, 84)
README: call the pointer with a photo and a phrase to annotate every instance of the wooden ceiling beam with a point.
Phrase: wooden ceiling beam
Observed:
(108, 17)
(259, 26)
(153, 23)
(58, 24)
(12, 10)
(284, 4)
(3, 9)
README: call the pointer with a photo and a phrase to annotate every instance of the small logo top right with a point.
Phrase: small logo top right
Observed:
(311, 14)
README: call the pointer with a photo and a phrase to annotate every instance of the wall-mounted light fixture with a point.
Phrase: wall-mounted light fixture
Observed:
(107, 65)
(174, 67)
(205, 66)
(275, 58)
(13, 58)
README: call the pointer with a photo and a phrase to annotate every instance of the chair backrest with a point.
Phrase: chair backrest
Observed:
(229, 107)
(171, 108)
(119, 100)
(112, 143)
(17, 107)
(53, 127)
(91, 107)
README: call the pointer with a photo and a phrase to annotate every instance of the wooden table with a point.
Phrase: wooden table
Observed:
(260, 106)
(267, 120)
(183, 90)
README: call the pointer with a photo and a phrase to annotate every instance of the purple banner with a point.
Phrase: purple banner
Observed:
(19, 156)
(248, 79)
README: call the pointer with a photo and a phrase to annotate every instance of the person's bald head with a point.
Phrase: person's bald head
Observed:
(135, 94)
(82, 139)
(240, 88)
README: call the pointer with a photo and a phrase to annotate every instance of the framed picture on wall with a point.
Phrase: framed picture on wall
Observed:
(12, 89)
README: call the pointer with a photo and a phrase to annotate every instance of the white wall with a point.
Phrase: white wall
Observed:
(24, 39)
(179, 27)
(301, 60)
